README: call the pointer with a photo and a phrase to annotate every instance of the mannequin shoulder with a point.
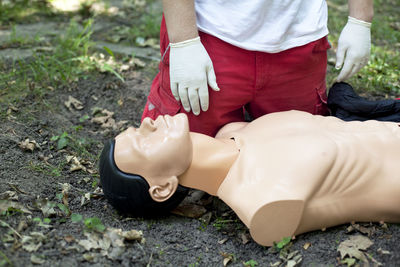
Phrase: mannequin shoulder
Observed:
(227, 130)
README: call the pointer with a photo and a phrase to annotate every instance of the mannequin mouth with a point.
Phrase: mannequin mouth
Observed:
(165, 120)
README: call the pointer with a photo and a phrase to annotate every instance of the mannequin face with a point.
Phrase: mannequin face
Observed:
(158, 148)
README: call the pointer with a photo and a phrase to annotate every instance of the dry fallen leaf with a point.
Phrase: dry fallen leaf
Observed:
(227, 258)
(85, 199)
(46, 206)
(6, 204)
(36, 259)
(28, 145)
(69, 238)
(73, 102)
(106, 120)
(222, 241)
(189, 210)
(33, 242)
(110, 243)
(9, 195)
(306, 245)
(133, 235)
(383, 252)
(245, 238)
(76, 164)
(362, 229)
(353, 247)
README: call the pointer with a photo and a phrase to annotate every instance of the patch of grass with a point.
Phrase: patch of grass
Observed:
(382, 74)
(22, 10)
(223, 224)
(149, 27)
(5, 261)
(47, 169)
(68, 60)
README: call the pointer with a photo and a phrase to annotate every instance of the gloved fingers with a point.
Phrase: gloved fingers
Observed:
(356, 68)
(340, 53)
(344, 73)
(212, 80)
(204, 97)
(194, 100)
(364, 63)
(183, 95)
(174, 90)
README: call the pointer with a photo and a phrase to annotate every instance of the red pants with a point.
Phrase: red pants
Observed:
(259, 82)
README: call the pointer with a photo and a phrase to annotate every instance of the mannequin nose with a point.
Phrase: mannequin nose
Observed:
(147, 125)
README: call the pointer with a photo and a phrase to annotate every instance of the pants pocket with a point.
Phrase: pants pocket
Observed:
(321, 107)
(161, 98)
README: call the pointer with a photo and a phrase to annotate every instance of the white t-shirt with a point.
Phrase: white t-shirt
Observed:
(263, 25)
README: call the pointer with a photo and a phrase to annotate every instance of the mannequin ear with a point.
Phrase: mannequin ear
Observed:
(163, 192)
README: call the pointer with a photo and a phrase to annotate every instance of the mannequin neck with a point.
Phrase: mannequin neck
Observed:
(212, 160)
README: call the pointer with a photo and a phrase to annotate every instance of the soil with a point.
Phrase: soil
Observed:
(173, 240)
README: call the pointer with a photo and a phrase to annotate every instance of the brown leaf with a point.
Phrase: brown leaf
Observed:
(73, 102)
(133, 235)
(106, 119)
(227, 258)
(245, 238)
(189, 210)
(9, 195)
(353, 247)
(69, 238)
(76, 164)
(36, 259)
(28, 145)
(6, 204)
(383, 252)
(222, 241)
(306, 245)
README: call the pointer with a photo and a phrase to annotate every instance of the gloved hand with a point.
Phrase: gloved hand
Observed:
(354, 47)
(190, 70)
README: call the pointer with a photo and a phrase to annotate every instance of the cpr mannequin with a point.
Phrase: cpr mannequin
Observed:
(283, 174)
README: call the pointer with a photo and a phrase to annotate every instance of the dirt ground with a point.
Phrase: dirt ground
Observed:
(37, 181)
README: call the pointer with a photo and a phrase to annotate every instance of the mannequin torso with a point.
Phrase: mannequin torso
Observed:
(297, 172)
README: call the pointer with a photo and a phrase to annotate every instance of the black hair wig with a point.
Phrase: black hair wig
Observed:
(128, 193)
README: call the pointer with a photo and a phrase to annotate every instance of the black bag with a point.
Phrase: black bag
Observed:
(345, 104)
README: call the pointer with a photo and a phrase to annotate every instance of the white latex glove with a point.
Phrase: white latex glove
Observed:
(354, 47)
(190, 70)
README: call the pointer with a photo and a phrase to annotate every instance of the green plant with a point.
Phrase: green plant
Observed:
(250, 263)
(283, 243)
(221, 223)
(42, 223)
(94, 224)
(75, 217)
(10, 211)
(62, 140)
(5, 261)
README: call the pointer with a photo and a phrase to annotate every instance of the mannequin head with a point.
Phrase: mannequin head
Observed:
(139, 170)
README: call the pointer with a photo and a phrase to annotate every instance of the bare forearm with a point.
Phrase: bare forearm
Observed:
(180, 18)
(361, 9)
